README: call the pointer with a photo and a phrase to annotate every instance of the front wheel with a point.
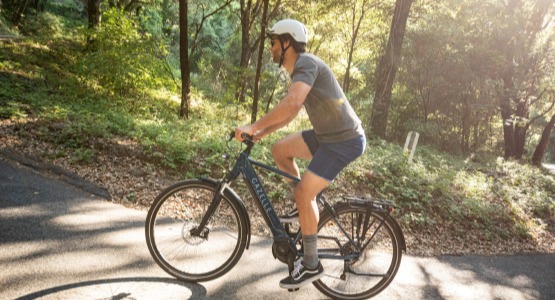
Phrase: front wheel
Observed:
(170, 229)
(360, 253)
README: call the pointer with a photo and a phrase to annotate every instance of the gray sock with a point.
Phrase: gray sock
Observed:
(310, 245)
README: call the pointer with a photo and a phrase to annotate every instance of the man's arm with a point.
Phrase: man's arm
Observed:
(283, 113)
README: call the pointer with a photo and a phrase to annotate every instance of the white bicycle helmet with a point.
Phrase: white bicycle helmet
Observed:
(293, 27)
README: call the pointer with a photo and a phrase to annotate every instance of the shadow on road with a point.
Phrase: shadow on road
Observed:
(475, 277)
(122, 288)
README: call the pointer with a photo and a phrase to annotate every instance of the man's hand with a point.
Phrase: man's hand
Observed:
(243, 129)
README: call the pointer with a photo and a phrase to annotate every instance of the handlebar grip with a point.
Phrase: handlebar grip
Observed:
(244, 135)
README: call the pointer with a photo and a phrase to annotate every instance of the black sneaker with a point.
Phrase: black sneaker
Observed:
(290, 217)
(301, 276)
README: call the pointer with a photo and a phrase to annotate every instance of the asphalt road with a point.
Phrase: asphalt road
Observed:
(60, 242)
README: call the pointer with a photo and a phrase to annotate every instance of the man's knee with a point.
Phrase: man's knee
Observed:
(302, 194)
(300, 199)
(309, 187)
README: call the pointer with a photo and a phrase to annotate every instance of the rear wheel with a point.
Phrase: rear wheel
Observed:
(172, 219)
(363, 266)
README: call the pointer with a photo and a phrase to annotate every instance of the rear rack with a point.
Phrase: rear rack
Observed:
(370, 203)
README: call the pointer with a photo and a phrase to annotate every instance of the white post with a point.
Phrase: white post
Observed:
(412, 143)
(407, 141)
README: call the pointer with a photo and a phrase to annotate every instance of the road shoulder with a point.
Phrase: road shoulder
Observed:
(55, 171)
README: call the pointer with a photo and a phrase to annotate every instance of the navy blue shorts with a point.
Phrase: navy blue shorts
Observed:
(328, 159)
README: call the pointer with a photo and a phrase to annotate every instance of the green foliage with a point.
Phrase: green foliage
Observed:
(83, 156)
(5, 28)
(12, 110)
(122, 60)
(411, 186)
(497, 198)
(42, 24)
(526, 188)
(152, 21)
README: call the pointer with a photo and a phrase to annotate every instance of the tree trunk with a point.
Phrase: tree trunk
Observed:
(186, 50)
(387, 68)
(515, 108)
(506, 97)
(93, 12)
(354, 35)
(507, 116)
(539, 153)
(466, 116)
(508, 130)
(18, 13)
(38, 5)
(520, 135)
(347, 79)
(245, 50)
(184, 59)
(256, 95)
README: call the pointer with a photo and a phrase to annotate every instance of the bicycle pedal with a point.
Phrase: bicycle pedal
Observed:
(293, 290)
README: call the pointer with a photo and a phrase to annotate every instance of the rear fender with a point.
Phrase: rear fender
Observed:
(399, 231)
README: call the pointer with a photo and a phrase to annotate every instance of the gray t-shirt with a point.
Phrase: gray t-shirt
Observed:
(331, 115)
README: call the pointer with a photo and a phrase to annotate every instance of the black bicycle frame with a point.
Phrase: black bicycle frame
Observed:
(244, 165)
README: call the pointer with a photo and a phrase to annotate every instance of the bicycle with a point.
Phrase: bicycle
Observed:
(198, 229)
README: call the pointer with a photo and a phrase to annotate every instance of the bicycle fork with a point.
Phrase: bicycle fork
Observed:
(201, 230)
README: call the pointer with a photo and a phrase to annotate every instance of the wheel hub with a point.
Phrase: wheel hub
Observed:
(190, 236)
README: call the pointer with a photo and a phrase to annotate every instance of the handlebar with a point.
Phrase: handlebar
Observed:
(246, 137)
(247, 140)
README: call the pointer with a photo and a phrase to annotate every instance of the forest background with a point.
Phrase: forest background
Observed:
(136, 94)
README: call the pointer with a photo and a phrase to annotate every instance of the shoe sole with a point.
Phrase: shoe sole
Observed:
(302, 283)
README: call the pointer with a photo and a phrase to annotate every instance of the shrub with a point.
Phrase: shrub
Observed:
(43, 24)
(122, 61)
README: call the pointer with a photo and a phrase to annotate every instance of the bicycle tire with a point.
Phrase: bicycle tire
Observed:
(381, 257)
(175, 212)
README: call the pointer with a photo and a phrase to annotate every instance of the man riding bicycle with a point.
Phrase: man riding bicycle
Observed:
(337, 137)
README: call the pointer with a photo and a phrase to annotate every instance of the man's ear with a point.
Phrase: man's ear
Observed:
(286, 44)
